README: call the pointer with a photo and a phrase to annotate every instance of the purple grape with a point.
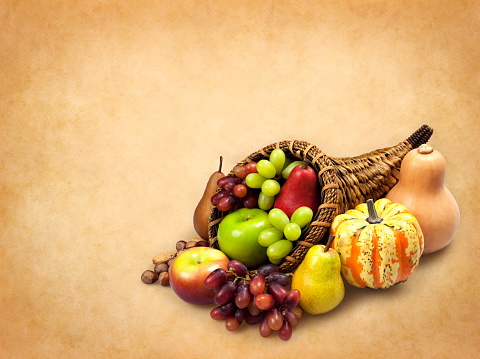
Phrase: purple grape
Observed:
(222, 182)
(252, 308)
(216, 278)
(264, 301)
(291, 299)
(264, 329)
(242, 314)
(243, 296)
(275, 319)
(238, 267)
(256, 319)
(217, 315)
(251, 199)
(225, 293)
(285, 331)
(218, 196)
(257, 285)
(291, 318)
(280, 278)
(228, 309)
(232, 183)
(266, 269)
(238, 205)
(226, 203)
(277, 291)
(232, 324)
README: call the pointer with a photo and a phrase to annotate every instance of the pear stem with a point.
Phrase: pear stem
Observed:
(373, 217)
(329, 242)
(220, 166)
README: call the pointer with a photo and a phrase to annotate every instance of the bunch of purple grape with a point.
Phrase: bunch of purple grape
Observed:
(234, 192)
(260, 297)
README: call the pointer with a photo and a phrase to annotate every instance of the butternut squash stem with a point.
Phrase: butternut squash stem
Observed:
(373, 217)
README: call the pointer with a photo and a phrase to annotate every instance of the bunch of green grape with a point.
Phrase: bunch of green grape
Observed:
(284, 231)
(269, 172)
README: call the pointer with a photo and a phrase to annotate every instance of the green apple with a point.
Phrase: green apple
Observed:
(238, 235)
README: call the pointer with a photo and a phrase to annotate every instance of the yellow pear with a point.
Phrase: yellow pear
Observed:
(319, 280)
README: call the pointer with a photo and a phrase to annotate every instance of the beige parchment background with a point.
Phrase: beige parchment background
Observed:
(113, 115)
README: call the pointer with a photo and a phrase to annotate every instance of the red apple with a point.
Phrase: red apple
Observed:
(188, 272)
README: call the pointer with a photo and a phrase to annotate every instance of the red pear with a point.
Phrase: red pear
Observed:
(300, 189)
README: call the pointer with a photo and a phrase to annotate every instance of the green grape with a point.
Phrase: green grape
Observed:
(289, 168)
(254, 180)
(265, 202)
(266, 168)
(278, 218)
(302, 216)
(292, 231)
(279, 249)
(288, 160)
(275, 261)
(269, 236)
(277, 158)
(270, 187)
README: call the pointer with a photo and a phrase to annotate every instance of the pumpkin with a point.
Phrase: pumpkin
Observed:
(422, 190)
(379, 243)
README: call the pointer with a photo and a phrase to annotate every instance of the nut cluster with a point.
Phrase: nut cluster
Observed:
(163, 261)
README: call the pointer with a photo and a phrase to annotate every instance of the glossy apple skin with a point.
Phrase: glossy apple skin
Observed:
(238, 236)
(188, 272)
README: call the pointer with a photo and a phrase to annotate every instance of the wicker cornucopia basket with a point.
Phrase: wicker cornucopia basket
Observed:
(345, 183)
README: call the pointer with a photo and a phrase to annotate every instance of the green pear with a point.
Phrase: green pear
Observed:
(319, 280)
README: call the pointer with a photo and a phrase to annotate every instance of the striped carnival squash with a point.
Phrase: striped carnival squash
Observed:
(379, 243)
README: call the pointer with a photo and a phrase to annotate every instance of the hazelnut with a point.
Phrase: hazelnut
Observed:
(203, 243)
(149, 277)
(170, 262)
(160, 268)
(163, 279)
(180, 245)
(191, 244)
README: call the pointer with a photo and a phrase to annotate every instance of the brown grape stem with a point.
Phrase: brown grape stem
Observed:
(237, 277)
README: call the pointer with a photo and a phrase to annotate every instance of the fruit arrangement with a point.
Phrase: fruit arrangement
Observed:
(282, 231)
(292, 174)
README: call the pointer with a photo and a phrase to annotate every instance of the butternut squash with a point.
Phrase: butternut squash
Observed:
(422, 190)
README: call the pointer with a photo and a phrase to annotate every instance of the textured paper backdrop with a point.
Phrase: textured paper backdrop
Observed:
(113, 115)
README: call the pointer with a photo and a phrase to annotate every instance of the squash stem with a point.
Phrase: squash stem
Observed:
(373, 217)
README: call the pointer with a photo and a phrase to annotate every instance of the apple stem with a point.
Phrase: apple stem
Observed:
(305, 164)
(329, 242)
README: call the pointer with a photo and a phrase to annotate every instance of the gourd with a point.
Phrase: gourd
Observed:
(422, 190)
(379, 244)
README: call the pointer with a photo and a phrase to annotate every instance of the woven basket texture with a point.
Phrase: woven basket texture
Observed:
(345, 183)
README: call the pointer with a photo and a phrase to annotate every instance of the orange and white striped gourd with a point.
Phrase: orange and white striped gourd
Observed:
(380, 244)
